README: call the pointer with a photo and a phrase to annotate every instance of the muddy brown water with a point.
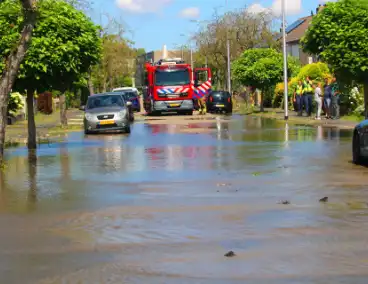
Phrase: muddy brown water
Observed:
(164, 204)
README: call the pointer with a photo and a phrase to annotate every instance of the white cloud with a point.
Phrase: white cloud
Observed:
(190, 13)
(256, 9)
(292, 7)
(142, 6)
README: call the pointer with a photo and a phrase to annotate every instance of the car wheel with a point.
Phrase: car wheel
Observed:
(87, 132)
(357, 158)
(127, 129)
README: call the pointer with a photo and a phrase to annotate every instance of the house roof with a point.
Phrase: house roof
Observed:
(296, 30)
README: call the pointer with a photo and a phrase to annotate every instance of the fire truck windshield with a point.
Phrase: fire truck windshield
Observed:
(172, 77)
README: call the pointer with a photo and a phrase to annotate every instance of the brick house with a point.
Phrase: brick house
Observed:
(294, 34)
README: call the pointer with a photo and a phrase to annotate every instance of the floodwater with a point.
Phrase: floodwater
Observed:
(164, 204)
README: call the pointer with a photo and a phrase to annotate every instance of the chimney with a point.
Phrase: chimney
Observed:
(320, 8)
(164, 52)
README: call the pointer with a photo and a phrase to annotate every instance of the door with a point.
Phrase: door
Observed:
(202, 82)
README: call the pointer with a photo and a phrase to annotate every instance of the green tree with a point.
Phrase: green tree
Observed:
(262, 68)
(117, 62)
(65, 44)
(15, 38)
(339, 35)
(244, 29)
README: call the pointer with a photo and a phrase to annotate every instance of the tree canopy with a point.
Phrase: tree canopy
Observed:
(245, 30)
(65, 44)
(262, 67)
(339, 35)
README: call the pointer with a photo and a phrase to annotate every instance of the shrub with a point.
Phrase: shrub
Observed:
(16, 103)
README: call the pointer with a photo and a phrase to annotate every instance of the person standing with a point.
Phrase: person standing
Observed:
(327, 98)
(335, 99)
(318, 99)
(202, 105)
(298, 98)
(307, 95)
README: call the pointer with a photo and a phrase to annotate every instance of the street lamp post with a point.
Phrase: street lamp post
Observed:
(228, 58)
(286, 99)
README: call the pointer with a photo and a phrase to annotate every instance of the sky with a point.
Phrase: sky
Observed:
(152, 23)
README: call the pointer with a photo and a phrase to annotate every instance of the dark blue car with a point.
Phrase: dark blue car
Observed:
(130, 94)
(360, 142)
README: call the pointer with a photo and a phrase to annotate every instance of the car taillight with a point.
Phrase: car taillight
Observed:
(211, 99)
(228, 99)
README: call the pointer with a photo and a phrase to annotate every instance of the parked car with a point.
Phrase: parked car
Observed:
(360, 142)
(106, 112)
(125, 98)
(219, 101)
(132, 95)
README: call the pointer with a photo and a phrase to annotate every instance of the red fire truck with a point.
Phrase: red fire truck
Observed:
(171, 85)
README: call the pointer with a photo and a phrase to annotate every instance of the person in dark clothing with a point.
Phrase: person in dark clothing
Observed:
(335, 99)
(308, 95)
(327, 98)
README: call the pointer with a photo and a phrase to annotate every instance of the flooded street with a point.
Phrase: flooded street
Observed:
(165, 203)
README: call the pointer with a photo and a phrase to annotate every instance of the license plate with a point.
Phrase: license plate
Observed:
(174, 105)
(105, 122)
(220, 105)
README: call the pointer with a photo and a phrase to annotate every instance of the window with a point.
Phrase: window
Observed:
(295, 50)
(172, 77)
(104, 101)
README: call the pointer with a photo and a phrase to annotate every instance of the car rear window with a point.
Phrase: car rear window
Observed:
(221, 94)
(130, 95)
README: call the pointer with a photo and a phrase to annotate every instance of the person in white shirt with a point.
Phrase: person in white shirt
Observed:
(318, 99)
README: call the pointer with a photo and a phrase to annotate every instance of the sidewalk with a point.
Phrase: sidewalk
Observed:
(46, 126)
(293, 118)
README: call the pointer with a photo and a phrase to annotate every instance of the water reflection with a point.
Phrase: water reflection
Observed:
(176, 200)
(32, 179)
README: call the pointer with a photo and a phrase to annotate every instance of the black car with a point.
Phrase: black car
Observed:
(219, 101)
(360, 142)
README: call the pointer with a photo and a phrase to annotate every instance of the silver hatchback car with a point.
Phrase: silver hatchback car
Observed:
(106, 112)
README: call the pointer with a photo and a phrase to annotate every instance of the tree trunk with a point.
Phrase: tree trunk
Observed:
(32, 139)
(32, 172)
(366, 99)
(63, 118)
(90, 84)
(12, 65)
(104, 87)
(261, 103)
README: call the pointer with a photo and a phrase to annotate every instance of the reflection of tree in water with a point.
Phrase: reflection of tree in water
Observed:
(32, 178)
(64, 163)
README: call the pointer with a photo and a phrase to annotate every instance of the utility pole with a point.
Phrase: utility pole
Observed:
(286, 97)
(191, 57)
(228, 58)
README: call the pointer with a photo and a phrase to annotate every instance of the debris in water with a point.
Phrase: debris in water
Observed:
(285, 202)
(324, 199)
(229, 254)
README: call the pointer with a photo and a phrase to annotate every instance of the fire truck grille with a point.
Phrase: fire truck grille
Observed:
(177, 95)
